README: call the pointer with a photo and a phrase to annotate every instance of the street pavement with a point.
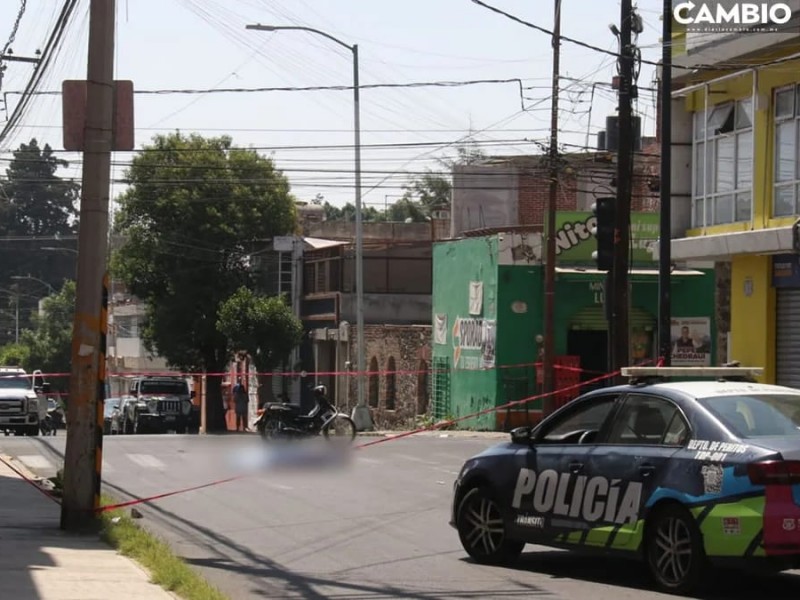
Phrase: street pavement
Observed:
(377, 529)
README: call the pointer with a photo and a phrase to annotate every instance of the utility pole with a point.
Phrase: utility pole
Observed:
(361, 414)
(84, 435)
(665, 182)
(548, 403)
(620, 296)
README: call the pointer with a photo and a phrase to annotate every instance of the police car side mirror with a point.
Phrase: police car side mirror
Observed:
(521, 435)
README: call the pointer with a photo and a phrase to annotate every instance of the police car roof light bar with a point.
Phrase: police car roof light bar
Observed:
(667, 372)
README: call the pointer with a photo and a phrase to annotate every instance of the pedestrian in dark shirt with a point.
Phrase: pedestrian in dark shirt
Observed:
(241, 400)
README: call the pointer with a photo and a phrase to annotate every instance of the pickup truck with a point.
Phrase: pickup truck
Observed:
(23, 403)
(159, 404)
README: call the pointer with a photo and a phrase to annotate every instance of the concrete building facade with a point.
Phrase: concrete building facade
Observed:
(736, 182)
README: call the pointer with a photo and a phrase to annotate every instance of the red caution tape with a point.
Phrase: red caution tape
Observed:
(434, 427)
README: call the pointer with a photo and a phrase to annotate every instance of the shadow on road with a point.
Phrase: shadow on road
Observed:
(721, 584)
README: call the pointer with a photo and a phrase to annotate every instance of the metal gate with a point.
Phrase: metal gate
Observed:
(440, 382)
(787, 338)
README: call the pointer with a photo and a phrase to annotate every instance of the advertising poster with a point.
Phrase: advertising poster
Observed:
(691, 342)
(440, 329)
(488, 343)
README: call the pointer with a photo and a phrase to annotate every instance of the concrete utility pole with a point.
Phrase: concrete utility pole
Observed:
(84, 435)
(665, 229)
(361, 414)
(620, 291)
(549, 384)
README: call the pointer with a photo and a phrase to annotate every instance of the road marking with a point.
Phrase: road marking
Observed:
(147, 461)
(415, 459)
(280, 486)
(371, 461)
(35, 462)
(107, 468)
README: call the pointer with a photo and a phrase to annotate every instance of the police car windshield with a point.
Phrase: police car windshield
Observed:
(15, 382)
(757, 415)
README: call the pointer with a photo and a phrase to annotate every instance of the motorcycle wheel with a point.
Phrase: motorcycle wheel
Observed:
(269, 429)
(341, 428)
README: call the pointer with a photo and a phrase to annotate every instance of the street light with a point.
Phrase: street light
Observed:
(30, 277)
(54, 249)
(361, 414)
(14, 294)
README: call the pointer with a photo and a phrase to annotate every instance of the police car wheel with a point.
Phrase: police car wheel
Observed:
(482, 531)
(674, 549)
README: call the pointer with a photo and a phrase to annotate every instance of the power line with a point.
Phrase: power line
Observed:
(698, 67)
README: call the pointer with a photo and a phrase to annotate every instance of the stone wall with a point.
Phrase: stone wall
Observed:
(395, 399)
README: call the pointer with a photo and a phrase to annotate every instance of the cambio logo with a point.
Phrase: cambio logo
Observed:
(738, 16)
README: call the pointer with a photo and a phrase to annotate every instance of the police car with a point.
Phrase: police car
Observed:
(682, 473)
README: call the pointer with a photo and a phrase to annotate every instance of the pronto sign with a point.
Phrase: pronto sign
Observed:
(575, 242)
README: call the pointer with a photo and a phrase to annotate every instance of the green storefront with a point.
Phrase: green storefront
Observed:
(488, 322)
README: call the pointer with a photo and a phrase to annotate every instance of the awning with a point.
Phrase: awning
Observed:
(775, 240)
(647, 272)
(319, 243)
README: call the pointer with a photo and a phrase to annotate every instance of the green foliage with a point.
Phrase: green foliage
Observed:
(195, 209)
(33, 199)
(262, 326)
(14, 355)
(166, 568)
(48, 344)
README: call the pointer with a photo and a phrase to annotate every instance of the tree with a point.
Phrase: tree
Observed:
(48, 344)
(263, 327)
(432, 190)
(33, 199)
(195, 210)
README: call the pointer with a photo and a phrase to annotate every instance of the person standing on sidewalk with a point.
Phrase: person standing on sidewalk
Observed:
(241, 401)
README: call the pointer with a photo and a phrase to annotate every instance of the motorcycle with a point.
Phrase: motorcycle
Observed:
(285, 421)
(53, 420)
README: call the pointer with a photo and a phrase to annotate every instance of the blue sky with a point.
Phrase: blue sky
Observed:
(203, 44)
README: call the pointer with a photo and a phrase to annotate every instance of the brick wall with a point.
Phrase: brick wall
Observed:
(534, 185)
(407, 347)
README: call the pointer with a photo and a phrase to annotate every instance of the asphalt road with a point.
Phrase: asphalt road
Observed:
(377, 529)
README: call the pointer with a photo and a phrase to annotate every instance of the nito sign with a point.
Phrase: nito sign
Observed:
(732, 16)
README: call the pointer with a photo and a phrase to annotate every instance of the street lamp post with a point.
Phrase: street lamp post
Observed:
(31, 278)
(54, 249)
(361, 414)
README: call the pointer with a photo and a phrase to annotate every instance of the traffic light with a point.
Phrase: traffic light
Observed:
(604, 210)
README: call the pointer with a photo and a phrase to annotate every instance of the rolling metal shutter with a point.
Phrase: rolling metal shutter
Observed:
(787, 338)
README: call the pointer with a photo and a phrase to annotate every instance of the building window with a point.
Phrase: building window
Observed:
(373, 382)
(391, 389)
(723, 164)
(786, 197)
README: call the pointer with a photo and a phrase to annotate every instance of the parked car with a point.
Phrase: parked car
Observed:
(682, 474)
(160, 404)
(112, 423)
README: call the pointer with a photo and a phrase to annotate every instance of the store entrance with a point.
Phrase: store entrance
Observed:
(591, 345)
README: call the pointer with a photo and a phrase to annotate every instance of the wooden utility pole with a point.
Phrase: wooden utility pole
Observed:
(548, 403)
(84, 435)
(620, 291)
(665, 230)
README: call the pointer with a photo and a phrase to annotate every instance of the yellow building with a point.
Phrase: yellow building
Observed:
(736, 182)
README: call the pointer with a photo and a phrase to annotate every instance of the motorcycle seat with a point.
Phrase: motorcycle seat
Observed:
(282, 406)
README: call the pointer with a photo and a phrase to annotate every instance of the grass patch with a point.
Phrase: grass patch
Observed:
(166, 569)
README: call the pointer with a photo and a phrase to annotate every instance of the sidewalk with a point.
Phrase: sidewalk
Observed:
(441, 433)
(40, 562)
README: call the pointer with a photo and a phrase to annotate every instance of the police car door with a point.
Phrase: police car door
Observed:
(646, 432)
(548, 497)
